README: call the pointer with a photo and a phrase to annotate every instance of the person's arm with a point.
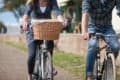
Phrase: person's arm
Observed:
(55, 7)
(26, 16)
(85, 18)
(25, 22)
(118, 7)
(58, 13)
(84, 24)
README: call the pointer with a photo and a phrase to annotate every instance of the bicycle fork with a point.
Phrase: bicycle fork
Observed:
(98, 67)
(98, 64)
(100, 70)
(43, 64)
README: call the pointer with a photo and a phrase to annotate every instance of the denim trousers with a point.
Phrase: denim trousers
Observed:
(92, 44)
(32, 45)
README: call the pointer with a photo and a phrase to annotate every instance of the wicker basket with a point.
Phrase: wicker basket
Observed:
(47, 30)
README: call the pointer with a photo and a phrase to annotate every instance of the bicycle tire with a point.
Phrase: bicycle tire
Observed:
(49, 66)
(96, 70)
(36, 71)
(46, 66)
(110, 68)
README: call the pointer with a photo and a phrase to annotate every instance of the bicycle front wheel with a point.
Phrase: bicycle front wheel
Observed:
(110, 68)
(36, 72)
(47, 67)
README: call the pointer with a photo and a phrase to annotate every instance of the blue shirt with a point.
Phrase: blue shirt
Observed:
(100, 12)
(35, 12)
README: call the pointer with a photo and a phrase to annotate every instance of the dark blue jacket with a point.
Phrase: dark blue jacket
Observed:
(35, 12)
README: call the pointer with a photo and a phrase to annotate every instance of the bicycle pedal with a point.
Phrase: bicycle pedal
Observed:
(35, 74)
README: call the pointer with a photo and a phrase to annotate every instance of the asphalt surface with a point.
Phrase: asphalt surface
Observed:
(13, 65)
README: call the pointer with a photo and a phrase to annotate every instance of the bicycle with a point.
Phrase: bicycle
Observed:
(105, 70)
(43, 64)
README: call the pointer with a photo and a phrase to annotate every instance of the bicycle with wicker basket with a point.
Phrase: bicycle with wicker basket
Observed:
(44, 30)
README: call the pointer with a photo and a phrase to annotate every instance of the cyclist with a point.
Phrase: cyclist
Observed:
(38, 9)
(96, 18)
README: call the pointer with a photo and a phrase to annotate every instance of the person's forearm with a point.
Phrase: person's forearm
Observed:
(25, 18)
(25, 22)
(60, 17)
(84, 24)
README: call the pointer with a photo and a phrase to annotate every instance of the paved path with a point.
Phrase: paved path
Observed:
(13, 65)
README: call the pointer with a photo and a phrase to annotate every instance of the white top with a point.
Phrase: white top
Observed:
(42, 9)
(102, 1)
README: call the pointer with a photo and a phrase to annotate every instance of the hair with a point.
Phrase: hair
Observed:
(29, 1)
(32, 1)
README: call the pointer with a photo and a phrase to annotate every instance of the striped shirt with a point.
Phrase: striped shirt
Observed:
(100, 12)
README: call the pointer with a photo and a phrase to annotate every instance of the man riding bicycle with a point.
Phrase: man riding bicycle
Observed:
(38, 9)
(96, 18)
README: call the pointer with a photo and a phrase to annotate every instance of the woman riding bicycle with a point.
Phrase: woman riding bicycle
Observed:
(96, 18)
(38, 9)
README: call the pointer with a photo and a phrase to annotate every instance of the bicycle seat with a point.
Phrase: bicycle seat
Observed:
(99, 34)
(94, 35)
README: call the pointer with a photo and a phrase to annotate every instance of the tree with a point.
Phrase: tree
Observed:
(72, 10)
(72, 6)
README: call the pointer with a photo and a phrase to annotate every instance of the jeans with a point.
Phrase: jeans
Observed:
(92, 44)
(32, 45)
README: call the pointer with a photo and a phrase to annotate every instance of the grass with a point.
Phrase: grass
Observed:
(22, 47)
(118, 72)
(74, 64)
(70, 62)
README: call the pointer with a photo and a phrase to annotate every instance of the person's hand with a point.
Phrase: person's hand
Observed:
(62, 20)
(24, 28)
(85, 36)
(65, 22)
(24, 21)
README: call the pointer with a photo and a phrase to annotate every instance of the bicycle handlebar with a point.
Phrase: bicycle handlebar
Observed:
(100, 35)
(38, 21)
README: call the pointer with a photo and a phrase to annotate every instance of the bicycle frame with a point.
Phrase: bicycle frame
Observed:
(42, 51)
(99, 70)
